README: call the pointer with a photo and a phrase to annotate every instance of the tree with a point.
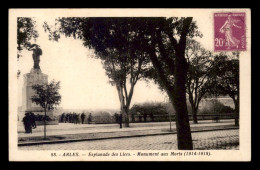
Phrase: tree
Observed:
(225, 79)
(25, 33)
(115, 45)
(47, 96)
(163, 37)
(162, 40)
(166, 48)
(149, 108)
(120, 71)
(198, 78)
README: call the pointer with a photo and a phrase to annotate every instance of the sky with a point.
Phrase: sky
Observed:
(84, 84)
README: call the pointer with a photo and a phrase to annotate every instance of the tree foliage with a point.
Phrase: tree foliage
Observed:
(198, 76)
(26, 31)
(225, 78)
(54, 33)
(162, 41)
(149, 108)
(47, 96)
(117, 46)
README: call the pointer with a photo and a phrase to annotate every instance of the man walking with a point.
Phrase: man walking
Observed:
(82, 116)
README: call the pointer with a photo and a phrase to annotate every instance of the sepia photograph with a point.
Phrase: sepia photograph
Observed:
(129, 84)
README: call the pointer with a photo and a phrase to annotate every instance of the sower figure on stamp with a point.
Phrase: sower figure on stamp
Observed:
(227, 29)
(36, 55)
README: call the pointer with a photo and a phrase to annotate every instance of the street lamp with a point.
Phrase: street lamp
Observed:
(166, 102)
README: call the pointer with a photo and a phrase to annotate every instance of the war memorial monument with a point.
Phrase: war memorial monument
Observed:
(34, 77)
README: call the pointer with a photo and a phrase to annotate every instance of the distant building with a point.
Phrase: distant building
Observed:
(204, 103)
(225, 100)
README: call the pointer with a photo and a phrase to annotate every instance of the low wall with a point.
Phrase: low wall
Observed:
(165, 118)
(52, 122)
(154, 118)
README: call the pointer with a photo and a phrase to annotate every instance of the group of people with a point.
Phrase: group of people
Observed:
(29, 122)
(75, 118)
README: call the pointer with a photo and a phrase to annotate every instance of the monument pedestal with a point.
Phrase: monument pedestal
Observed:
(34, 77)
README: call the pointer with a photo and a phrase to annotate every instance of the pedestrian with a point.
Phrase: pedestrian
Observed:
(32, 119)
(27, 123)
(66, 118)
(70, 117)
(89, 118)
(77, 119)
(62, 118)
(120, 120)
(74, 117)
(82, 116)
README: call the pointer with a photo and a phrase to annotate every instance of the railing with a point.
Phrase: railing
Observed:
(153, 118)
(53, 122)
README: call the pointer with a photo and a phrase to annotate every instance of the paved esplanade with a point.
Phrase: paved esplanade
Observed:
(70, 128)
(223, 139)
(222, 135)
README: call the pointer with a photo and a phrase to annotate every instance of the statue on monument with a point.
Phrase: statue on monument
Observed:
(37, 51)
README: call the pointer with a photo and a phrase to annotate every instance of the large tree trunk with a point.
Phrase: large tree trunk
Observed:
(126, 117)
(177, 97)
(179, 102)
(123, 108)
(128, 101)
(176, 93)
(236, 114)
(182, 122)
(44, 121)
(194, 114)
(236, 102)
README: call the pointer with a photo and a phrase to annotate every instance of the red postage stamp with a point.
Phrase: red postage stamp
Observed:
(229, 32)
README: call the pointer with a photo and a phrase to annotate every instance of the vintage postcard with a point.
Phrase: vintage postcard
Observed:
(129, 84)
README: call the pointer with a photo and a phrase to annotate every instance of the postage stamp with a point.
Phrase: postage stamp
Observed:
(229, 31)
